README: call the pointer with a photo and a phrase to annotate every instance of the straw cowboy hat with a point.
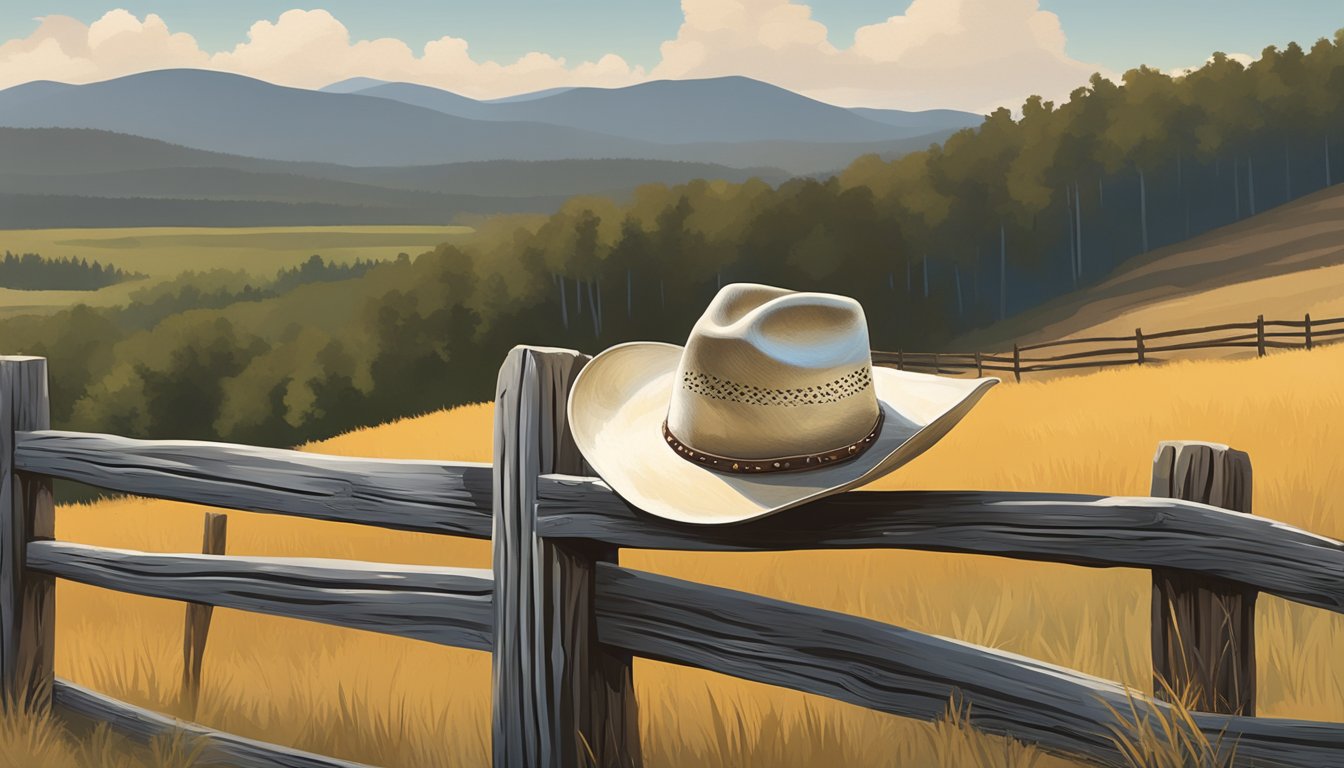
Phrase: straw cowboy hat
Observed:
(773, 402)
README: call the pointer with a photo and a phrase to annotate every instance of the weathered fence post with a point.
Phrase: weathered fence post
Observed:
(1260, 335)
(1138, 343)
(27, 599)
(561, 700)
(1017, 363)
(979, 367)
(1203, 628)
(1306, 330)
(936, 367)
(900, 360)
(197, 627)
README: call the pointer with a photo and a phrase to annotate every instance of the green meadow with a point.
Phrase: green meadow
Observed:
(164, 252)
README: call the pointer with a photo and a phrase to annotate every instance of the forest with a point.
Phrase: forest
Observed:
(32, 272)
(997, 219)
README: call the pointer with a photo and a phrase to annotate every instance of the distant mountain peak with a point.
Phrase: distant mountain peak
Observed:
(734, 120)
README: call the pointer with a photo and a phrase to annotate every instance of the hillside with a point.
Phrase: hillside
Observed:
(238, 115)
(721, 109)
(357, 687)
(1281, 263)
(733, 121)
(67, 177)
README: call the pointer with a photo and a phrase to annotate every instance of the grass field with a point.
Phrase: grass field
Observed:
(402, 703)
(164, 252)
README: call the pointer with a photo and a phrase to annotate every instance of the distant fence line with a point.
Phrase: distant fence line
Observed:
(1257, 334)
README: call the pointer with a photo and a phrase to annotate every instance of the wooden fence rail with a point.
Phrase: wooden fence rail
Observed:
(563, 620)
(908, 673)
(1138, 350)
(441, 605)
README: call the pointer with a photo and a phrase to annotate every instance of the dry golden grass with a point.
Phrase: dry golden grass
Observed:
(401, 703)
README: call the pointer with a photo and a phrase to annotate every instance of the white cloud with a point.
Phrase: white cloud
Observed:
(117, 44)
(969, 54)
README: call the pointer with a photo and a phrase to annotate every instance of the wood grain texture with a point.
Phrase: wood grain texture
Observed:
(426, 496)
(85, 707)
(560, 699)
(196, 629)
(448, 606)
(1094, 531)
(1203, 629)
(907, 673)
(27, 599)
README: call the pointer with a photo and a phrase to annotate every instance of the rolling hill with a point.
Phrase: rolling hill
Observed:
(731, 121)
(62, 177)
(723, 109)
(1282, 263)
(238, 115)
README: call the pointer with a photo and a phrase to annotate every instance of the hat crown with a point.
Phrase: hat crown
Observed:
(768, 372)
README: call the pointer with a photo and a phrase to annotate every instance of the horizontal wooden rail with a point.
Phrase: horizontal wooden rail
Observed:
(89, 708)
(1079, 355)
(1242, 342)
(907, 673)
(1094, 531)
(943, 357)
(1302, 323)
(1251, 326)
(1066, 342)
(425, 496)
(448, 606)
(1085, 364)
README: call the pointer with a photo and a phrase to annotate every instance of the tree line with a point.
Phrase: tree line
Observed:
(995, 220)
(933, 243)
(32, 272)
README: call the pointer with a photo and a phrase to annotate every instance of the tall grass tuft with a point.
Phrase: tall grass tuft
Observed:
(1168, 737)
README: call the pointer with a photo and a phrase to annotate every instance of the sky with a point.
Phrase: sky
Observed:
(914, 54)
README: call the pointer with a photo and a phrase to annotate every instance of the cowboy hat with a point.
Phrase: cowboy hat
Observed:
(772, 402)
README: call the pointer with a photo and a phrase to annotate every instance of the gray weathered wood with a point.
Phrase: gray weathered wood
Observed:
(1306, 330)
(1017, 363)
(197, 627)
(1203, 629)
(448, 606)
(560, 699)
(1138, 343)
(1260, 335)
(85, 707)
(429, 496)
(908, 673)
(1132, 532)
(27, 600)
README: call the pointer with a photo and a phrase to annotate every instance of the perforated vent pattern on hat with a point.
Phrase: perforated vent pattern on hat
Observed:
(833, 391)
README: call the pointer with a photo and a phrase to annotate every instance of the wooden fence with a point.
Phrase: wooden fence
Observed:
(1260, 335)
(564, 619)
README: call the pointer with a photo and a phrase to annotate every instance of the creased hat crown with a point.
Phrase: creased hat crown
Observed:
(768, 372)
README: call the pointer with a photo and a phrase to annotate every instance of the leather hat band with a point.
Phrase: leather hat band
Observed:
(800, 463)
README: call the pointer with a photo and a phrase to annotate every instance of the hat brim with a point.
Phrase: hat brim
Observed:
(619, 401)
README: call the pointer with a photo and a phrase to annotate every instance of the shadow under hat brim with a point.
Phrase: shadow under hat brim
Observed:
(620, 399)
